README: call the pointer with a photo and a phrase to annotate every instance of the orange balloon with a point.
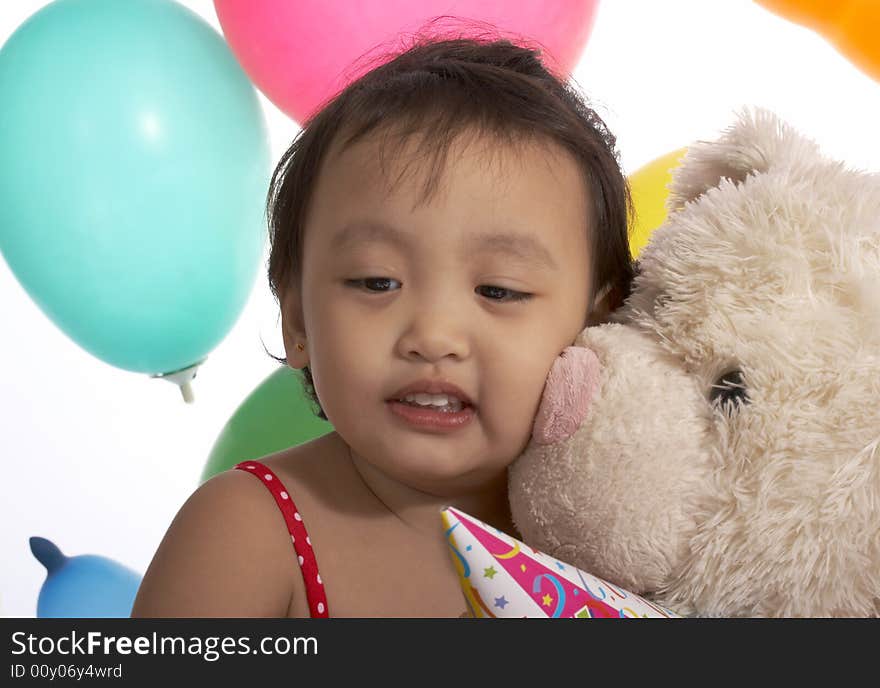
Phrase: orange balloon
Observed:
(852, 26)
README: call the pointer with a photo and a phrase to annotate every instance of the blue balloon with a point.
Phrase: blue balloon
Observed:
(86, 586)
(134, 164)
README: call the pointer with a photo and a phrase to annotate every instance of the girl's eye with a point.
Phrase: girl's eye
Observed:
(376, 285)
(383, 285)
(502, 294)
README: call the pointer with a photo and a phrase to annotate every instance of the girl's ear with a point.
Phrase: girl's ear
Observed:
(293, 328)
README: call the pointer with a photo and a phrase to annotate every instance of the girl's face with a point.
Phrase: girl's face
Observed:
(394, 292)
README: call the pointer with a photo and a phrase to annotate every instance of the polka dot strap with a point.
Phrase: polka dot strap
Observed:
(315, 594)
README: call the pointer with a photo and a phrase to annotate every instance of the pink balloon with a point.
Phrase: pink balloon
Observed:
(302, 52)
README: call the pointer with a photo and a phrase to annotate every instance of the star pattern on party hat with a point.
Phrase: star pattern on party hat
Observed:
(533, 583)
(557, 596)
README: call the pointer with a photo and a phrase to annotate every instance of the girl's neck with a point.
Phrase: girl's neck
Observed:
(419, 511)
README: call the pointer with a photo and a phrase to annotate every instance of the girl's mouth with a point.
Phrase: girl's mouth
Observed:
(440, 418)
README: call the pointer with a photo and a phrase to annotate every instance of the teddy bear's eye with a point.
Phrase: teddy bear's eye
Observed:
(729, 390)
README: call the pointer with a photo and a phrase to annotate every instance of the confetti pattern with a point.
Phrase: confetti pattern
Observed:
(502, 577)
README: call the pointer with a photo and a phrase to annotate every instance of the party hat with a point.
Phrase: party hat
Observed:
(503, 577)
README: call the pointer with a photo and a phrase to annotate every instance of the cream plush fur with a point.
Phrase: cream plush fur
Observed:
(769, 505)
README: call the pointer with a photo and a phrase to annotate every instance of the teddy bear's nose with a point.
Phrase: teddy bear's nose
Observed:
(571, 384)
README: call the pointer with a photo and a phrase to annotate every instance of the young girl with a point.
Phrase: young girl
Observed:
(440, 231)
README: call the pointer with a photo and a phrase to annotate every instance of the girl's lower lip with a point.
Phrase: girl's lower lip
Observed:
(428, 419)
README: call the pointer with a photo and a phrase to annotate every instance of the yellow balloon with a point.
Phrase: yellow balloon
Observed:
(649, 186)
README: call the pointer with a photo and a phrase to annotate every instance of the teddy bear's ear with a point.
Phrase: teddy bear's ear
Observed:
(756, 143)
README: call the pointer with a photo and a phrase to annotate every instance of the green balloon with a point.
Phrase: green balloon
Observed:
(275, 416)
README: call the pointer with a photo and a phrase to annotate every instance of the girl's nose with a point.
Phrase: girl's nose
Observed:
(434, 334)
(568, 393)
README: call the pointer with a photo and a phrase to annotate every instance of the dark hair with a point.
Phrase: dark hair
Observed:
(449, 86)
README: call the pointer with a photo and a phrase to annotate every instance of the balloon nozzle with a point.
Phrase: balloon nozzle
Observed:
(182, 378)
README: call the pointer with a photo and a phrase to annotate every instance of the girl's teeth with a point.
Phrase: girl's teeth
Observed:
(441, 402)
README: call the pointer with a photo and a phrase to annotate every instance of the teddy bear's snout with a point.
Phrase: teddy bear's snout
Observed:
(568, 392)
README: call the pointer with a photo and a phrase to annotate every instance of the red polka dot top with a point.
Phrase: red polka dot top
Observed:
(308, 565)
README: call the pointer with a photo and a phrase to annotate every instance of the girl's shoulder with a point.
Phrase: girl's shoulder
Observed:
(328, 491)
(364, 556)
(227, 551)
(313, 467)
(220, 557)
(318, 477)
(330, 501)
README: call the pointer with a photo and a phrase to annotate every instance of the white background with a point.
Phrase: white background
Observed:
(99, 460)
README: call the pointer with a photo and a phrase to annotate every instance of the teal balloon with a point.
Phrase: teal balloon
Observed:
(85, 586)
(134, 163)
(276, 415)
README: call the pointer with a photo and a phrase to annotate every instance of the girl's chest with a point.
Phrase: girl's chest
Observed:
(377, 575)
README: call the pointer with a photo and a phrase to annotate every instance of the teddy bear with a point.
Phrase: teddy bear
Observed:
(715, 447)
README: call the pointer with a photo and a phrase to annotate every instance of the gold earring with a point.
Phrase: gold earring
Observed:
(300, 347)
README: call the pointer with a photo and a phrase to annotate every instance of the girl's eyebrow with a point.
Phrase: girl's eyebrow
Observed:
(521, 247)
